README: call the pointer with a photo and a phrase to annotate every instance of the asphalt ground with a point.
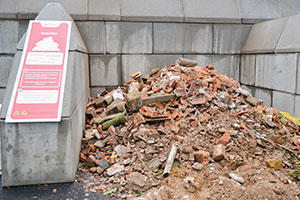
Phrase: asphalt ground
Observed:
(64, 191)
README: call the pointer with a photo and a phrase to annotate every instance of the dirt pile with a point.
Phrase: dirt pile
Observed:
(195, 125)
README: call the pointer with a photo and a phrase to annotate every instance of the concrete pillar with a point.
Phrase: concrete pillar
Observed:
(37, 153)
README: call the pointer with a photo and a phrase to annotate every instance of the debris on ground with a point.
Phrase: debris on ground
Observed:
(185, 132)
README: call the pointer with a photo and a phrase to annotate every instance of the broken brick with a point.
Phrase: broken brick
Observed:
(194, 107)
(219, 152)
(225, 138)
(201, 156)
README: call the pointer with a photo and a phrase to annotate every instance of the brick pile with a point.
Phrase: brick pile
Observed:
(183, 116)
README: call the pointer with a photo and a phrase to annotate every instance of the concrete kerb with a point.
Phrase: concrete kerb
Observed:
(37, 153)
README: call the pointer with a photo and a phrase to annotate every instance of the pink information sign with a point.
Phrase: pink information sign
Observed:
(39, 87)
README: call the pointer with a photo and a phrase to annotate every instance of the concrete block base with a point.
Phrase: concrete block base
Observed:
(38, 153)
(47, 152)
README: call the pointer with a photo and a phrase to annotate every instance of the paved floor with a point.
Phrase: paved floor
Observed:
(66, 191)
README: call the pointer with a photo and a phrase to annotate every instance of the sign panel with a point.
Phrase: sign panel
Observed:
(39, 87)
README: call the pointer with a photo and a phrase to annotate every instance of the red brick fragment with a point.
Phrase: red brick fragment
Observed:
(246, 167)
(224, 139)
(201, 155)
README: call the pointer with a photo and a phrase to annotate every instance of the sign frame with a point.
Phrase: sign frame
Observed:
(61, 90)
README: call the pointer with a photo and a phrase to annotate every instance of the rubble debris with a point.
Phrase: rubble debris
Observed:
(225, 138)
(134, 101)
(120, 150)
(115, 169)
(108, 99)
(137, 179)
(117, 94)
(274, 164)
(158, 98)
(197, 166)
(170, 160)
(236, 178)
(219, 152)
(116, 106)
(185, 120)
(186, 62)
(120, 119)
(268, 121)
(201, 156)
(101, 120)
(252, 100)
(191, 184)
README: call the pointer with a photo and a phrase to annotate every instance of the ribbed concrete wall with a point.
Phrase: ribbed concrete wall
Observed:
(123, 36)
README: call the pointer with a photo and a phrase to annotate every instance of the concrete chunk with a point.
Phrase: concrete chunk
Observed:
(105, 70)
(282, 69)
(217, 11)
(152, 10)
(9, 30)
(182, 38)
(129, 37)
(284, 102)
(250, 89)
(248, 69)
(219, 152)
(104, 10)
(263, 37)
(225, 34)
(134, 101)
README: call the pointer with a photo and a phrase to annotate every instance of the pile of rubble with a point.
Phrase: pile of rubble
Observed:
(183, 117)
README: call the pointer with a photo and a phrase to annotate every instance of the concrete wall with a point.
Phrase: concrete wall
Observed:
(123, 36)
(270, 63)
